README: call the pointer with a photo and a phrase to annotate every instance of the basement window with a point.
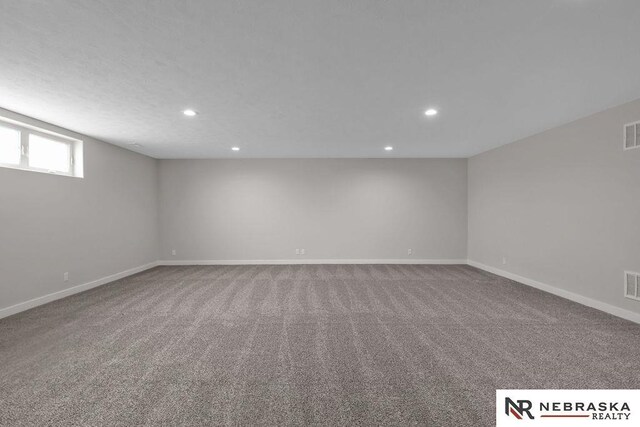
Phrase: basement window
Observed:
(27, 147)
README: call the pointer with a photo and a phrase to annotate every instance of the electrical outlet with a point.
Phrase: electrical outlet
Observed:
(410, 252)
(504, 261)
(297, 251)
(173, 252)
(301, 251)
(65, 276)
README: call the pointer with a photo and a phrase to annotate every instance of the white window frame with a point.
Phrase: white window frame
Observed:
(75, 148)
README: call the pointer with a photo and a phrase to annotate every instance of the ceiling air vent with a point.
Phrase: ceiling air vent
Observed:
(632, 285)
(632, 135)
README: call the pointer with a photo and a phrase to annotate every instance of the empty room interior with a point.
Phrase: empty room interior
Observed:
(319, 212)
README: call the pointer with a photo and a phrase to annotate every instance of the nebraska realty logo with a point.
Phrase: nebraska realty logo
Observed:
(570, 408)
(519, 409)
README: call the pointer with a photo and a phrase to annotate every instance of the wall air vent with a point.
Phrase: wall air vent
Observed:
(632, 285)
(632, 135)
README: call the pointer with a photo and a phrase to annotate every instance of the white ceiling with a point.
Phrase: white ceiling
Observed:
(323, 78)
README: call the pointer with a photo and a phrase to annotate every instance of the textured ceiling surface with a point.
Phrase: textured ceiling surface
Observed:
(330, 78)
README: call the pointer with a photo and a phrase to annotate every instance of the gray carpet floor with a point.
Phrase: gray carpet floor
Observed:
(302, 345)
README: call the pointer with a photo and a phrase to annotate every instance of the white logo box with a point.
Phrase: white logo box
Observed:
(567, 408)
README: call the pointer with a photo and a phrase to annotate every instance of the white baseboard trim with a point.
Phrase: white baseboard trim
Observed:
(310, 261)
(580, 299)
(26, 305)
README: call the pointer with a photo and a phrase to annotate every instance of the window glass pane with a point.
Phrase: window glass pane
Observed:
(9, 146)
(49, 154)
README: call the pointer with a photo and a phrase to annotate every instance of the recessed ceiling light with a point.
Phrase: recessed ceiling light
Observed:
(235, 148)
(431, 112)
(189, 113)
(388, 148)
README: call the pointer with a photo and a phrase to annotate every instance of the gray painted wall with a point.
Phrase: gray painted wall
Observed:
(563, 207)
(333, 208)
(91, 227)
